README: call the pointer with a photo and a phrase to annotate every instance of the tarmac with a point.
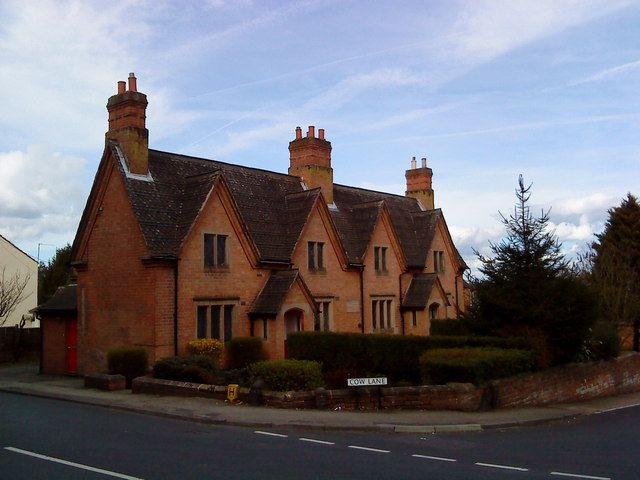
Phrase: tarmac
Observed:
(24, 379)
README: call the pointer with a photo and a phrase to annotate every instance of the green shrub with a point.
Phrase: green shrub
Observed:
(243, 351)
(603, 342)
(183, 368)
(196, 374)
(285, 375)
(397, 356)
(474, 365)
(448, 327)
(131, 362)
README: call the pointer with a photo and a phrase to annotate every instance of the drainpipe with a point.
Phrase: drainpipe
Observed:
(175, 308)
(362, 299)
(400, 305)
(457, 296)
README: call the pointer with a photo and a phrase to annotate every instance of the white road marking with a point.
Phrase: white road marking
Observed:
(260, 432)
(71, 464)
(313, 440)
(504, 467)
(369, 449)
(615, 409)
(429, 457)
(574, 475)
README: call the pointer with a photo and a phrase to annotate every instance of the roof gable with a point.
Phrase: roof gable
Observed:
(419, 291)
(272, 209)
(274, 292)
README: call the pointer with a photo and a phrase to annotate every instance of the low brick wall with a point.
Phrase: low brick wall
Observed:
(156, 386)
(103, 381)
(569, 383)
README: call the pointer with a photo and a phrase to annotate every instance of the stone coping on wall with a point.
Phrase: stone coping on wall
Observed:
(567, 383)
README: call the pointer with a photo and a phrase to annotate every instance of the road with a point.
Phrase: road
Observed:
(49, 439)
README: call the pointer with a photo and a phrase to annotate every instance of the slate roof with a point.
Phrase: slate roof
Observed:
(64, 301)
(419, 290)
(274, 208)
(270, 299)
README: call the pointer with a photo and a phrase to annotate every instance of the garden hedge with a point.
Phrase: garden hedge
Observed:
(396, 356)
(473, 365)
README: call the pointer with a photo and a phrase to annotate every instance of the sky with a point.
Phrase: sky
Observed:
(485, 90)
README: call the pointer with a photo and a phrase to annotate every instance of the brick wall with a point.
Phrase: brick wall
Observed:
(54, 346)
(570, 383)
(116, 292)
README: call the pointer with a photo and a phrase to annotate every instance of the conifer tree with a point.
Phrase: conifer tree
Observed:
(528, 288)
(54, 274)
(616, 266)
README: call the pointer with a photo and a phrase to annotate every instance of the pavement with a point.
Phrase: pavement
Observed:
(24, 379)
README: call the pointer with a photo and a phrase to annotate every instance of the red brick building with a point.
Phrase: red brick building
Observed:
(172, 247)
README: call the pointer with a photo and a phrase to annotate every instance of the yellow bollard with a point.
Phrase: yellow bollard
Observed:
(232, 392)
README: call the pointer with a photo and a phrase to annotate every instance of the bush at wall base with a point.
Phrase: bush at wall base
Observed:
(286, 375)
(131, 362)
(193, 368)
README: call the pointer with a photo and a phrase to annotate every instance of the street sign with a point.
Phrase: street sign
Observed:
(366, 382)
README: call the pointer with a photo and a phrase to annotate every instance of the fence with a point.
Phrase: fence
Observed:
(16, 343)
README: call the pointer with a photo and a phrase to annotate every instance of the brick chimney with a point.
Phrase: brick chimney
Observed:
(419, 183)
(310, 159)
(127, 114)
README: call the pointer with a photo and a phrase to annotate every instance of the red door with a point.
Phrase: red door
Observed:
(71, 336)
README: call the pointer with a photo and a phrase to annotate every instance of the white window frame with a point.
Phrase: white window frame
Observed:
(383, 319)
(324, 321)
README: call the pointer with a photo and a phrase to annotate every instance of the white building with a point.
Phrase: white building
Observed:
(13, 260)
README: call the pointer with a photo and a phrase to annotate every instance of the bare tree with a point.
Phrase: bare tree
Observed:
(12, 292)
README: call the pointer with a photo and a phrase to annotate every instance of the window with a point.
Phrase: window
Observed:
(215, 321)
(381, 314)
(315, 255)
(265, 322)
(215, 250)
(433, 311)
(438, 261)
(380, 259)
(322, 320)
(414, 318)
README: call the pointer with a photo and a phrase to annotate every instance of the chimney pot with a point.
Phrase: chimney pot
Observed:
(311, 133)
(298, 133)
(414, 165)
(133, 86)
(122, 86)
(424, 162)
(321, 133)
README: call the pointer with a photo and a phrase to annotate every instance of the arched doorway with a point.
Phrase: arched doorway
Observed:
(293, 322)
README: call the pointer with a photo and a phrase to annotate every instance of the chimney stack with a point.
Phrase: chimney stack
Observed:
(419, 183)
(127, 118)
(310, 159)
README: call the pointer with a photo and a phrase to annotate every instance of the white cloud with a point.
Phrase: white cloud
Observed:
(607, 73)
(41, 194)
(487, 29)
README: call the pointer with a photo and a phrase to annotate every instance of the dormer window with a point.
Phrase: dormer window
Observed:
(315, 256)
(380, 259)
(215, 251)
